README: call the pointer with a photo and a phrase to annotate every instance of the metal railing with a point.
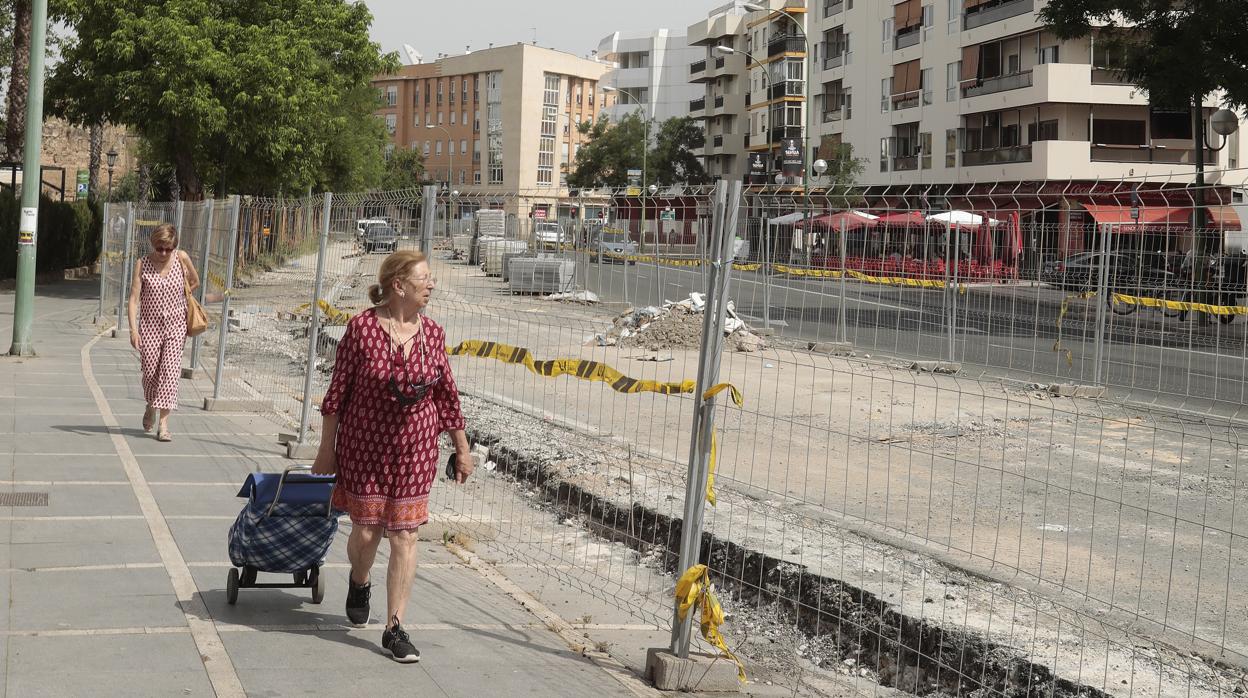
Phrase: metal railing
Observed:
(697, 67)
(996, 156)
(1001, 83)
(906, 39)
(995, 12)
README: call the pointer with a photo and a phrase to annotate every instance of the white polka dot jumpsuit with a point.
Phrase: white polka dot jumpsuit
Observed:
(162, 332)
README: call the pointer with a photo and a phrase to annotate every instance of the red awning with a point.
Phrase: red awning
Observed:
(1155, 216)
(850, 220)
(1223, 218)
(902, 219)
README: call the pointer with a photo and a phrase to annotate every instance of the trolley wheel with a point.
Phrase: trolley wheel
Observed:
(318, 586)
(248, 577)
(231, 586)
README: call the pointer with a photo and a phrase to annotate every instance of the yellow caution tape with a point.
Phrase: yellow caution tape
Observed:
(216, 280)
(334, 315)
(801, 271)
(737, 399)
(1057, 344)
(1187, 306)
(152, 223)
(694, 589)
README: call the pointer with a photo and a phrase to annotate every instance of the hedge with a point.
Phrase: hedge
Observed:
(69, 234)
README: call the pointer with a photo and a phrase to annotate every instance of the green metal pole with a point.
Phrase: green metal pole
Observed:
(24, 300)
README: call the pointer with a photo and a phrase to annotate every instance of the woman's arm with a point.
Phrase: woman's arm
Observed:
(326, 462)
(464, 465)
(132, 308)
(192, 276)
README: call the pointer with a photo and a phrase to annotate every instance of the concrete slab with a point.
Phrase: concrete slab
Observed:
(24, 423)
(93, 599)
(215, 468)
(36, 544)
(198, 500)
(84, 443)
(79, 500)
(106, 665)
(56, 468)
(232, 445)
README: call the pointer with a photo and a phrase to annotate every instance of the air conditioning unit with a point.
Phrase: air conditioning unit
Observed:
(541, 274)
(492, 252)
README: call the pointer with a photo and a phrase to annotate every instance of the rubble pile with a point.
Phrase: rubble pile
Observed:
(676, 325)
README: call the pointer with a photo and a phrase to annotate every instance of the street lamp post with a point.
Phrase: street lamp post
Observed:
(1224, 122)
(641, 242)
(450, 169)
(728, 51)
(112, 162)
(808, 137)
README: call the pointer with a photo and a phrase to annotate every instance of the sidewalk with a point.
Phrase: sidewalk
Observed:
(117, 585)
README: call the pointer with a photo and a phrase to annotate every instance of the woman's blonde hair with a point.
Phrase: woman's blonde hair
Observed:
(395, 266)
(165, 232)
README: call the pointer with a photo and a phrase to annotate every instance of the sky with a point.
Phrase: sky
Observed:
(575, 27)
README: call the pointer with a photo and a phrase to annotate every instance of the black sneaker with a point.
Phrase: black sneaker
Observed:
(396, 640)
(357, 602)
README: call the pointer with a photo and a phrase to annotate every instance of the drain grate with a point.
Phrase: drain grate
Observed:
(23, 499)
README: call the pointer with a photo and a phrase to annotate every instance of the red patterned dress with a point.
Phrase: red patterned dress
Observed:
(387, 451)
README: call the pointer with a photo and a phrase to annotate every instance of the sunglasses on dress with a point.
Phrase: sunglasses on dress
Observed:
(410, 393)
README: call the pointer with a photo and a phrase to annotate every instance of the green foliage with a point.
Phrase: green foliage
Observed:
(613, 149)
(843, 169)
(672, 161)
(265, 97)
(1172, 49)
(69, 234)
(404, 170)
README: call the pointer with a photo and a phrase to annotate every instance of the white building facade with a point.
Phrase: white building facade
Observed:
(650, 74)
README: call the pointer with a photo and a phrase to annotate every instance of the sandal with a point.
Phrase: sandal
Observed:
(149, 418)
(163, 435)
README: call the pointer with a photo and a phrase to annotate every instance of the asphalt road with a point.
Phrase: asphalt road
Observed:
(1012, 331)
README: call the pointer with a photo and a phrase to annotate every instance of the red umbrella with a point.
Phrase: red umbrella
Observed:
(851, 220)
(902, 219)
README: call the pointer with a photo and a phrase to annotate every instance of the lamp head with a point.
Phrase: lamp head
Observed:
(1224, 122)
(820, 166)
(112, 157)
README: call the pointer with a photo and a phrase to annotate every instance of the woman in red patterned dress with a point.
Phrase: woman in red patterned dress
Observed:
(157, 314)
(391, 396)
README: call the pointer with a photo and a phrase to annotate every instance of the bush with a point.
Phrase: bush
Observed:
(69, 234)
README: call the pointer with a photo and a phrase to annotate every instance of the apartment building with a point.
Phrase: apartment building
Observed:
(499, 119)
(978, 91)
(649, 74)
(723, 77)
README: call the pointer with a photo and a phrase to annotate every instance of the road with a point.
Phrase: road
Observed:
(1014, 331)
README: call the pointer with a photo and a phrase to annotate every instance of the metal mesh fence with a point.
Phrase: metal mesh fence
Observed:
(925, 484)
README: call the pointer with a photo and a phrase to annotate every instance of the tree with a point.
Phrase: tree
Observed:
(672, 156)
(265, 97)
(95, 139)
(1175, 50)
(843, 170)
(19, 82)
(609, 153)
(404, 170)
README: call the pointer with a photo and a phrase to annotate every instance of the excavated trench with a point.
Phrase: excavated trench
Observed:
(911, 655)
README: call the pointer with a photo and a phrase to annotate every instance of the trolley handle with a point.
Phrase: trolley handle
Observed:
(277, 496)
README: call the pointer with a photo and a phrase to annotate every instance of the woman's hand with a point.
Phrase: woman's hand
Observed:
(134, 338)
(326, 462)
(464, 464)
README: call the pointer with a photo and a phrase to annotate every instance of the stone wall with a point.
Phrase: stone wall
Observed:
(69, 146)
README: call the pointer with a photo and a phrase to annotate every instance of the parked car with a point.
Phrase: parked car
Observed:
(1129, 272)
(380, 238)
(611, 246)
(363, 224)
(549, 233)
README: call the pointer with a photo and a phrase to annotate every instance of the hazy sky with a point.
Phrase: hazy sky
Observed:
(576, 27)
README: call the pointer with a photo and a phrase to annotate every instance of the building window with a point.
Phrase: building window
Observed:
(391, 123)
(886, 93)
(416, 120)
(925, 84)
(884, 142)
(450, 93)
(476, 177)
(925, 154)
(463, 118)
(953, 22)
(392, 96)
(440, 92)
(438, 148)
(428, 119)
(388, 152)
(494, 127)
(1118, 132)
(464, 87)
(1048, 54)
(441, 118)
(886, 35)
(463, 146)
(426, 151)
(1042, 131)
(951, 147)
(546, 144)
(454, 115)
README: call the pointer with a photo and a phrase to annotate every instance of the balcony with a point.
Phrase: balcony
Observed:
(834, 61)
(786, 44)
(905, 100)
(905, 163)
(719, 63)
(786, 89)
(1001, 83)
(1109, 76)
(908, 39)
(1144, 153)
(833, 116)
(833, 7)
(996, 156)
(697, 105)
(717, 141)
(719, 102)
(987, 13)
(780, 133)
(697, 67)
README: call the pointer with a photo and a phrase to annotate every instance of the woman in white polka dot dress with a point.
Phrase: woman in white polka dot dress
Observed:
(157, 313)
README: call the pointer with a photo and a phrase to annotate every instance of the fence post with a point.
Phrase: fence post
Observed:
(198, 342)
(314, 323)
(429, 196)
(127, 264)
(1102, 302)
(727, 202)
(953, 253)
(99, 314)
(842, 318)
(223, 332)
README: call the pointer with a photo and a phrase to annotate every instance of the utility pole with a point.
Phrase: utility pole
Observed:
(24, 300)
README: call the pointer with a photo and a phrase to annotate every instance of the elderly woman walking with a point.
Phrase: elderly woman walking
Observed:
(391, 396)
(158, 299)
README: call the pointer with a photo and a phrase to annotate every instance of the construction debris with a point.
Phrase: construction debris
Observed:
(676, 325)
